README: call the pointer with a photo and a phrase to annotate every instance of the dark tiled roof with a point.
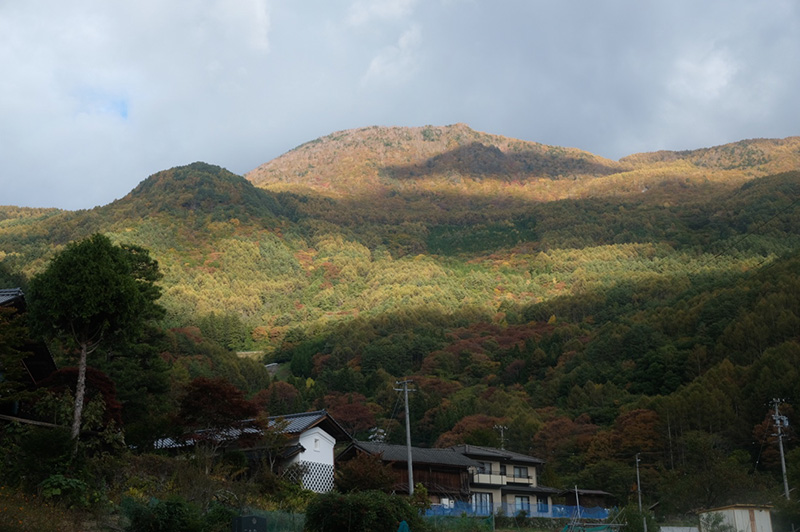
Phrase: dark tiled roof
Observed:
(294, 424)
(490, 453)
(298, 423)
(419, 455)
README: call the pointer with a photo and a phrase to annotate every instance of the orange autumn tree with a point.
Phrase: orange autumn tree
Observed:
(477, 429)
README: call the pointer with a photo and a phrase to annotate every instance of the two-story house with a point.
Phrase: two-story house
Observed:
(444, 472)
(506, 481)
(467, 478)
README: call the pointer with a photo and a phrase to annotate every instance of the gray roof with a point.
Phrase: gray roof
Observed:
(490, 453)
(518, 488)
(298, 423)
(419, 455)
(222, 435)
(8, 295)
(294, 424)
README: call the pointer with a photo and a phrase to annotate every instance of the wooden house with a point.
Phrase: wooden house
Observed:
(444, 472)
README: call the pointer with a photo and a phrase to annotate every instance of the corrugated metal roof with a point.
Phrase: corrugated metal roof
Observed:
(587, 492)
(419, 455)
(8, 295)
(218, 436)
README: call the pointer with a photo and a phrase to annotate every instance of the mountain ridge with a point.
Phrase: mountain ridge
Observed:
(378, 160)
(379, 155)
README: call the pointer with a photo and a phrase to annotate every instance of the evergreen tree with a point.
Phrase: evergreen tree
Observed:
(94, 292)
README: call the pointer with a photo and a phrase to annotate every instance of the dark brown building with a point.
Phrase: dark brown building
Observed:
(444, 472)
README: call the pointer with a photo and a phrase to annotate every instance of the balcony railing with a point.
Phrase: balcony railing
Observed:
(496, 479)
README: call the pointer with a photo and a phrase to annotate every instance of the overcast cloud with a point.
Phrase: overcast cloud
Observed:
(96, 95)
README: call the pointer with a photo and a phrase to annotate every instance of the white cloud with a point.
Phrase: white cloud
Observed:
(365, 11)
(703, 77)
(398, 63)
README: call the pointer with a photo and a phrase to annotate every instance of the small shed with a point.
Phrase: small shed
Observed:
(588, 498)
(742, 517)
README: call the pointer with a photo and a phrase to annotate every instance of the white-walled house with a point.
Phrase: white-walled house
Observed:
(307, 448)
(312, 437)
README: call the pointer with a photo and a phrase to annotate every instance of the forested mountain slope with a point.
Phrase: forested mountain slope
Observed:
(598, 309)
(373, 161)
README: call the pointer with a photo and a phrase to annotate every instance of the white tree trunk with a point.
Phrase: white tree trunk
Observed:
(80, 392)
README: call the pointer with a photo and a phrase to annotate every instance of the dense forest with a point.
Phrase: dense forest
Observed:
(600, 310)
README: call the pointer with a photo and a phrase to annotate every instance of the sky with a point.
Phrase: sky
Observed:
(96, 95)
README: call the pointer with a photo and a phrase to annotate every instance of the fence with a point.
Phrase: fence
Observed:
(460, 523)
(461, 516)
(554, 511)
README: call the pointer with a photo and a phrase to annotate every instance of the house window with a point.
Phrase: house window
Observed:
(481, 503)
(522, 503)
(542, 506)
(502, 469)
(485, 467)
(520, 472)
(316, 444)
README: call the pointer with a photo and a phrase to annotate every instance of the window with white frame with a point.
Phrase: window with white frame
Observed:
(522, 503)
(541, 505)
(482, 503)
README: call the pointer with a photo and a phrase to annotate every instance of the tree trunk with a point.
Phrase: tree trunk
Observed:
(80, 392)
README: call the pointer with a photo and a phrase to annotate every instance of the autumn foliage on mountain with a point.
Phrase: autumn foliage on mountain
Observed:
(595, 309)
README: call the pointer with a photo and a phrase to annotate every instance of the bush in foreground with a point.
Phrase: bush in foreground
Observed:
(364, 511)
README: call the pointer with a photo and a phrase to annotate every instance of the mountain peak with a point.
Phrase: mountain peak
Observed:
(198, 188)
(374, 161)
(377, 158)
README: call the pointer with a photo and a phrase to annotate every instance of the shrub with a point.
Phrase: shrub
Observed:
(175, 515)
(363, 511)
(365, 472)
(30, 455)
(72, 492)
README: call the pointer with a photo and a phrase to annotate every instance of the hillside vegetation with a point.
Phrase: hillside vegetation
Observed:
(598, 309)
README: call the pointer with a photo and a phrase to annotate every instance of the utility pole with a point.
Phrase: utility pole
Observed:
(780, 422)
(404, 389)
(502, 429)
(639, 490)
